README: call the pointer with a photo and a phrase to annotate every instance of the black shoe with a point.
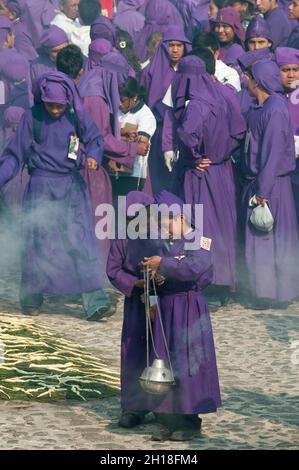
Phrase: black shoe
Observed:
(30, 304)
(130, 419)
(101, 313)
(162, 435)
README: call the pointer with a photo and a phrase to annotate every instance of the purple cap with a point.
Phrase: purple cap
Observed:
(286, 55)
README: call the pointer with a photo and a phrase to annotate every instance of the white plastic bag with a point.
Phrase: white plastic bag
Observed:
(261, 216)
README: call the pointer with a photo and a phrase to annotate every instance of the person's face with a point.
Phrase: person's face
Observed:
(252, 85)
(54, 51)
(55, 109)
(213, 9)
(173, 227)
(289, 75)
(294, 10)
(70, 8)
(224, 33)
(263, 6)
(176, 51)
(10, 41)
(126, 103)
(3, 10)
(258, 43)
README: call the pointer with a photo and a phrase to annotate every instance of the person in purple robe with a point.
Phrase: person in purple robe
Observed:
(128, 18)
(293, 39)
(37, 17)
(246, 61)
(269, 159)
(14, 74)
(276, 19)
(180, 274)
(203, 173)
(98, 48)
(246, 9)
(159, 16)
(230, 33)
(14, 9)
(52, 40)
(60, 252)
(157, 78)
(258, 34)
(103, 28)
(193, 12)
(288, 62)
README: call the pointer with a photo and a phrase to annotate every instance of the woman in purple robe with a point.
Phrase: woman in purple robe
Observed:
(293, 39)
(128, 18)
(159, 16)
(157, 78)
(258, 34)
(51, 42)
(60, 252)
(203, 174)
(271, 257)
(186, 323)
(98, 48)
(230, 34)
(287, 59)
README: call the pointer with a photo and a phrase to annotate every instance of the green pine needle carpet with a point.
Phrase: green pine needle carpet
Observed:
(37, 365)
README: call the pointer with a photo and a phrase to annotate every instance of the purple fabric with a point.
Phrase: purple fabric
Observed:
(138, 197)
(258, 27)
(23, 41)
(293, 40)
(287, 55)
(37, 17)
(128, 18)
(15, 69)
(267, 74)
(158, 75)
(271, 258)
(208, 118)
(249, 58)
(16, 6)
(231, 17)
(159, 15)
(53, 37)
(41, 65)
(12, 116)
(97, 50)
(193, 13)
(116, 62)
(6, 26)
(279, 26)
(103, 28)
(192, 393)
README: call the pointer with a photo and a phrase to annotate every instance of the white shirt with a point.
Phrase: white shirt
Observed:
(227, 75)
(146, 122)
(77, 34)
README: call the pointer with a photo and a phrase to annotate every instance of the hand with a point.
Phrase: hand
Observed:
(159, 280)
(205, 163)
(261, 201)
(92, 163)
(142, 148)
(151, 264)
(140, 284)
(169, 159)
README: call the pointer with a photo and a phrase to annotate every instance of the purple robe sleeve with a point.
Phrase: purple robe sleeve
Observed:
(190, 131)
(92, 139)
(14, 154)
(119, 277)
(169, 131)
(115, 149)
(277, 156)
(196, 266)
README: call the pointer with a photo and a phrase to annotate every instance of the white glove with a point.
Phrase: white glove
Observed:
(169, 158)
(296, 137)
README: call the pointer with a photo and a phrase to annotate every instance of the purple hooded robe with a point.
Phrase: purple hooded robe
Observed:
(128, 18)
(279, 26)
(60, 254)
(271, 257)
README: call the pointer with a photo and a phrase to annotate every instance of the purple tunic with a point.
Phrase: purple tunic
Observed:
(293, 40)
(128, 17)
(271, 258)
(37, 17)
(60, 254)
(279, 26)
(23, 41)
(193, 12)
(208, 119)
(159, 15)
(186, 322)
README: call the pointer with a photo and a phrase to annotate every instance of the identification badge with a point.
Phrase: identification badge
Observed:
(73, 147)
(205, 243)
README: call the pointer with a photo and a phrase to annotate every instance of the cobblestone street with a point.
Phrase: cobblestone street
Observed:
(258, 363)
